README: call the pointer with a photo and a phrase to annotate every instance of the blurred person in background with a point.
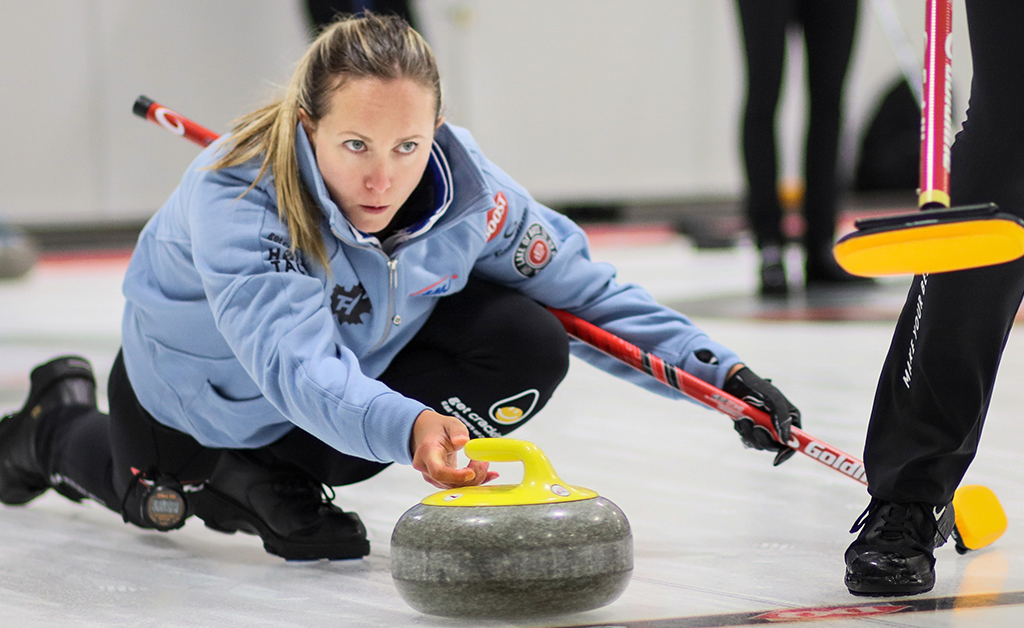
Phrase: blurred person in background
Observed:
(828, 28)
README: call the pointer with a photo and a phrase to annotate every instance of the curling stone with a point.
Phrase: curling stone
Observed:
(541, 547)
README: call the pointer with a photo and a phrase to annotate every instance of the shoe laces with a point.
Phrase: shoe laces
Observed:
(305, 489)
(897, 521)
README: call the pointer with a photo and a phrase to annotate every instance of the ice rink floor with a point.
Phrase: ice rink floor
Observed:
(721, 538)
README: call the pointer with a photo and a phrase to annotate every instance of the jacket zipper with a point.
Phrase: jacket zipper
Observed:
(392, 285)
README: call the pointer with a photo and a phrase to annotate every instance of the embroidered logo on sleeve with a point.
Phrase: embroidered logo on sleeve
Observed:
(496, 216)
(349, 304)
(281, 257)
(534, 251)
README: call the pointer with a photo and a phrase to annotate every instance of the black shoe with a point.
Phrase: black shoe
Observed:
(893, 553)
(62, 382)
(773, 273)
(286, 508)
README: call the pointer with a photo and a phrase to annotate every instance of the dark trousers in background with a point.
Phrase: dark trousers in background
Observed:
(828, 28)
(480, 346)
(323, 12)
(936, 383)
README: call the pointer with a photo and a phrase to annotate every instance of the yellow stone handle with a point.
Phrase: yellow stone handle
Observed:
(540, 485)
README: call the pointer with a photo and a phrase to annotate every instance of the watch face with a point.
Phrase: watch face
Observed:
(165, 508)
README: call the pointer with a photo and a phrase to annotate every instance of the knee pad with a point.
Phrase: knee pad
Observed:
(157, 501)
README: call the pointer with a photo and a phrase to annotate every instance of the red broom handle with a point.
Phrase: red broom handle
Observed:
(699, 390)
(936, 126)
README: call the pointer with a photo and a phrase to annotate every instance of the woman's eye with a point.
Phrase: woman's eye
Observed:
(407, 147)
(356, 145)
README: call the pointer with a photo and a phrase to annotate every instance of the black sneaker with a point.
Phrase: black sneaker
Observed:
(773, 272)
(893, 553)
(61, 382)
(286, 508)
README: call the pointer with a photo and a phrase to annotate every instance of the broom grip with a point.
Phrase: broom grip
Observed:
(172, 121)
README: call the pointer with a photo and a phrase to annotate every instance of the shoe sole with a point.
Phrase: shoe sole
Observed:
(232, 517)
(884, 589)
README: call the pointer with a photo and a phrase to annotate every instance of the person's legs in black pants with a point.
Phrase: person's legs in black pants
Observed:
(488, 355)
(764, 26)
(923, 435)
(829, 28)
(938, 376)
(155, 475)
(82, 452)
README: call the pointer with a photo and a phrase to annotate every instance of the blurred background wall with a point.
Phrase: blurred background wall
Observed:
(583, 101)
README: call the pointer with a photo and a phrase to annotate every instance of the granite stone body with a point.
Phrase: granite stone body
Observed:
(512, 561)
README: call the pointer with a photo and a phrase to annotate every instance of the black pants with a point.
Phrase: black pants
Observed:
(828, 27)
(487, 354)
(936, 383)
(323, 12)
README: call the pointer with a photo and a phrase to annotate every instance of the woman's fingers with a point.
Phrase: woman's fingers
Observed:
(437, 439)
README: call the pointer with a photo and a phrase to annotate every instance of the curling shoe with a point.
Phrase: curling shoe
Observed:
(286, 508)
(773, 272)
(62, 382)
(893, 552)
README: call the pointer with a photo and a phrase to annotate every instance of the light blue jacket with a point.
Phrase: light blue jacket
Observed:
(230, 338)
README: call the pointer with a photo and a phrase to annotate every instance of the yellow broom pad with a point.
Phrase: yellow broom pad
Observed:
(980, 517)
(932, 248)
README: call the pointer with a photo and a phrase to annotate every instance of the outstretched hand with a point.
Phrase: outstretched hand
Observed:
(435, 442)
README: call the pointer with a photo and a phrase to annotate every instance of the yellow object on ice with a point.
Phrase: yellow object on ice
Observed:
(931, 248)
(980, 518)
(540, 485)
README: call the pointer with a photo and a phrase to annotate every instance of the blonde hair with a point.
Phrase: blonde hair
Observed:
(369, 46)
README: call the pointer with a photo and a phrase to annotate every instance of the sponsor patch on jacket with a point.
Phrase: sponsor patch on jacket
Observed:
(516, 408)
(281, 258)
(496, 216)
(534, 251)
(475, 423)
(349, 304)
(436, 288)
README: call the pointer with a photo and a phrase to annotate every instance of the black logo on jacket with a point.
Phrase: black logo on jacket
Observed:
(282, 258)
(349, 304)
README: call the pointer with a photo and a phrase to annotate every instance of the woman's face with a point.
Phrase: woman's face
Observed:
(373, 145)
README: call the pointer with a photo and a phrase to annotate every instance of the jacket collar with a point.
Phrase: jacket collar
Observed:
(437, 166)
